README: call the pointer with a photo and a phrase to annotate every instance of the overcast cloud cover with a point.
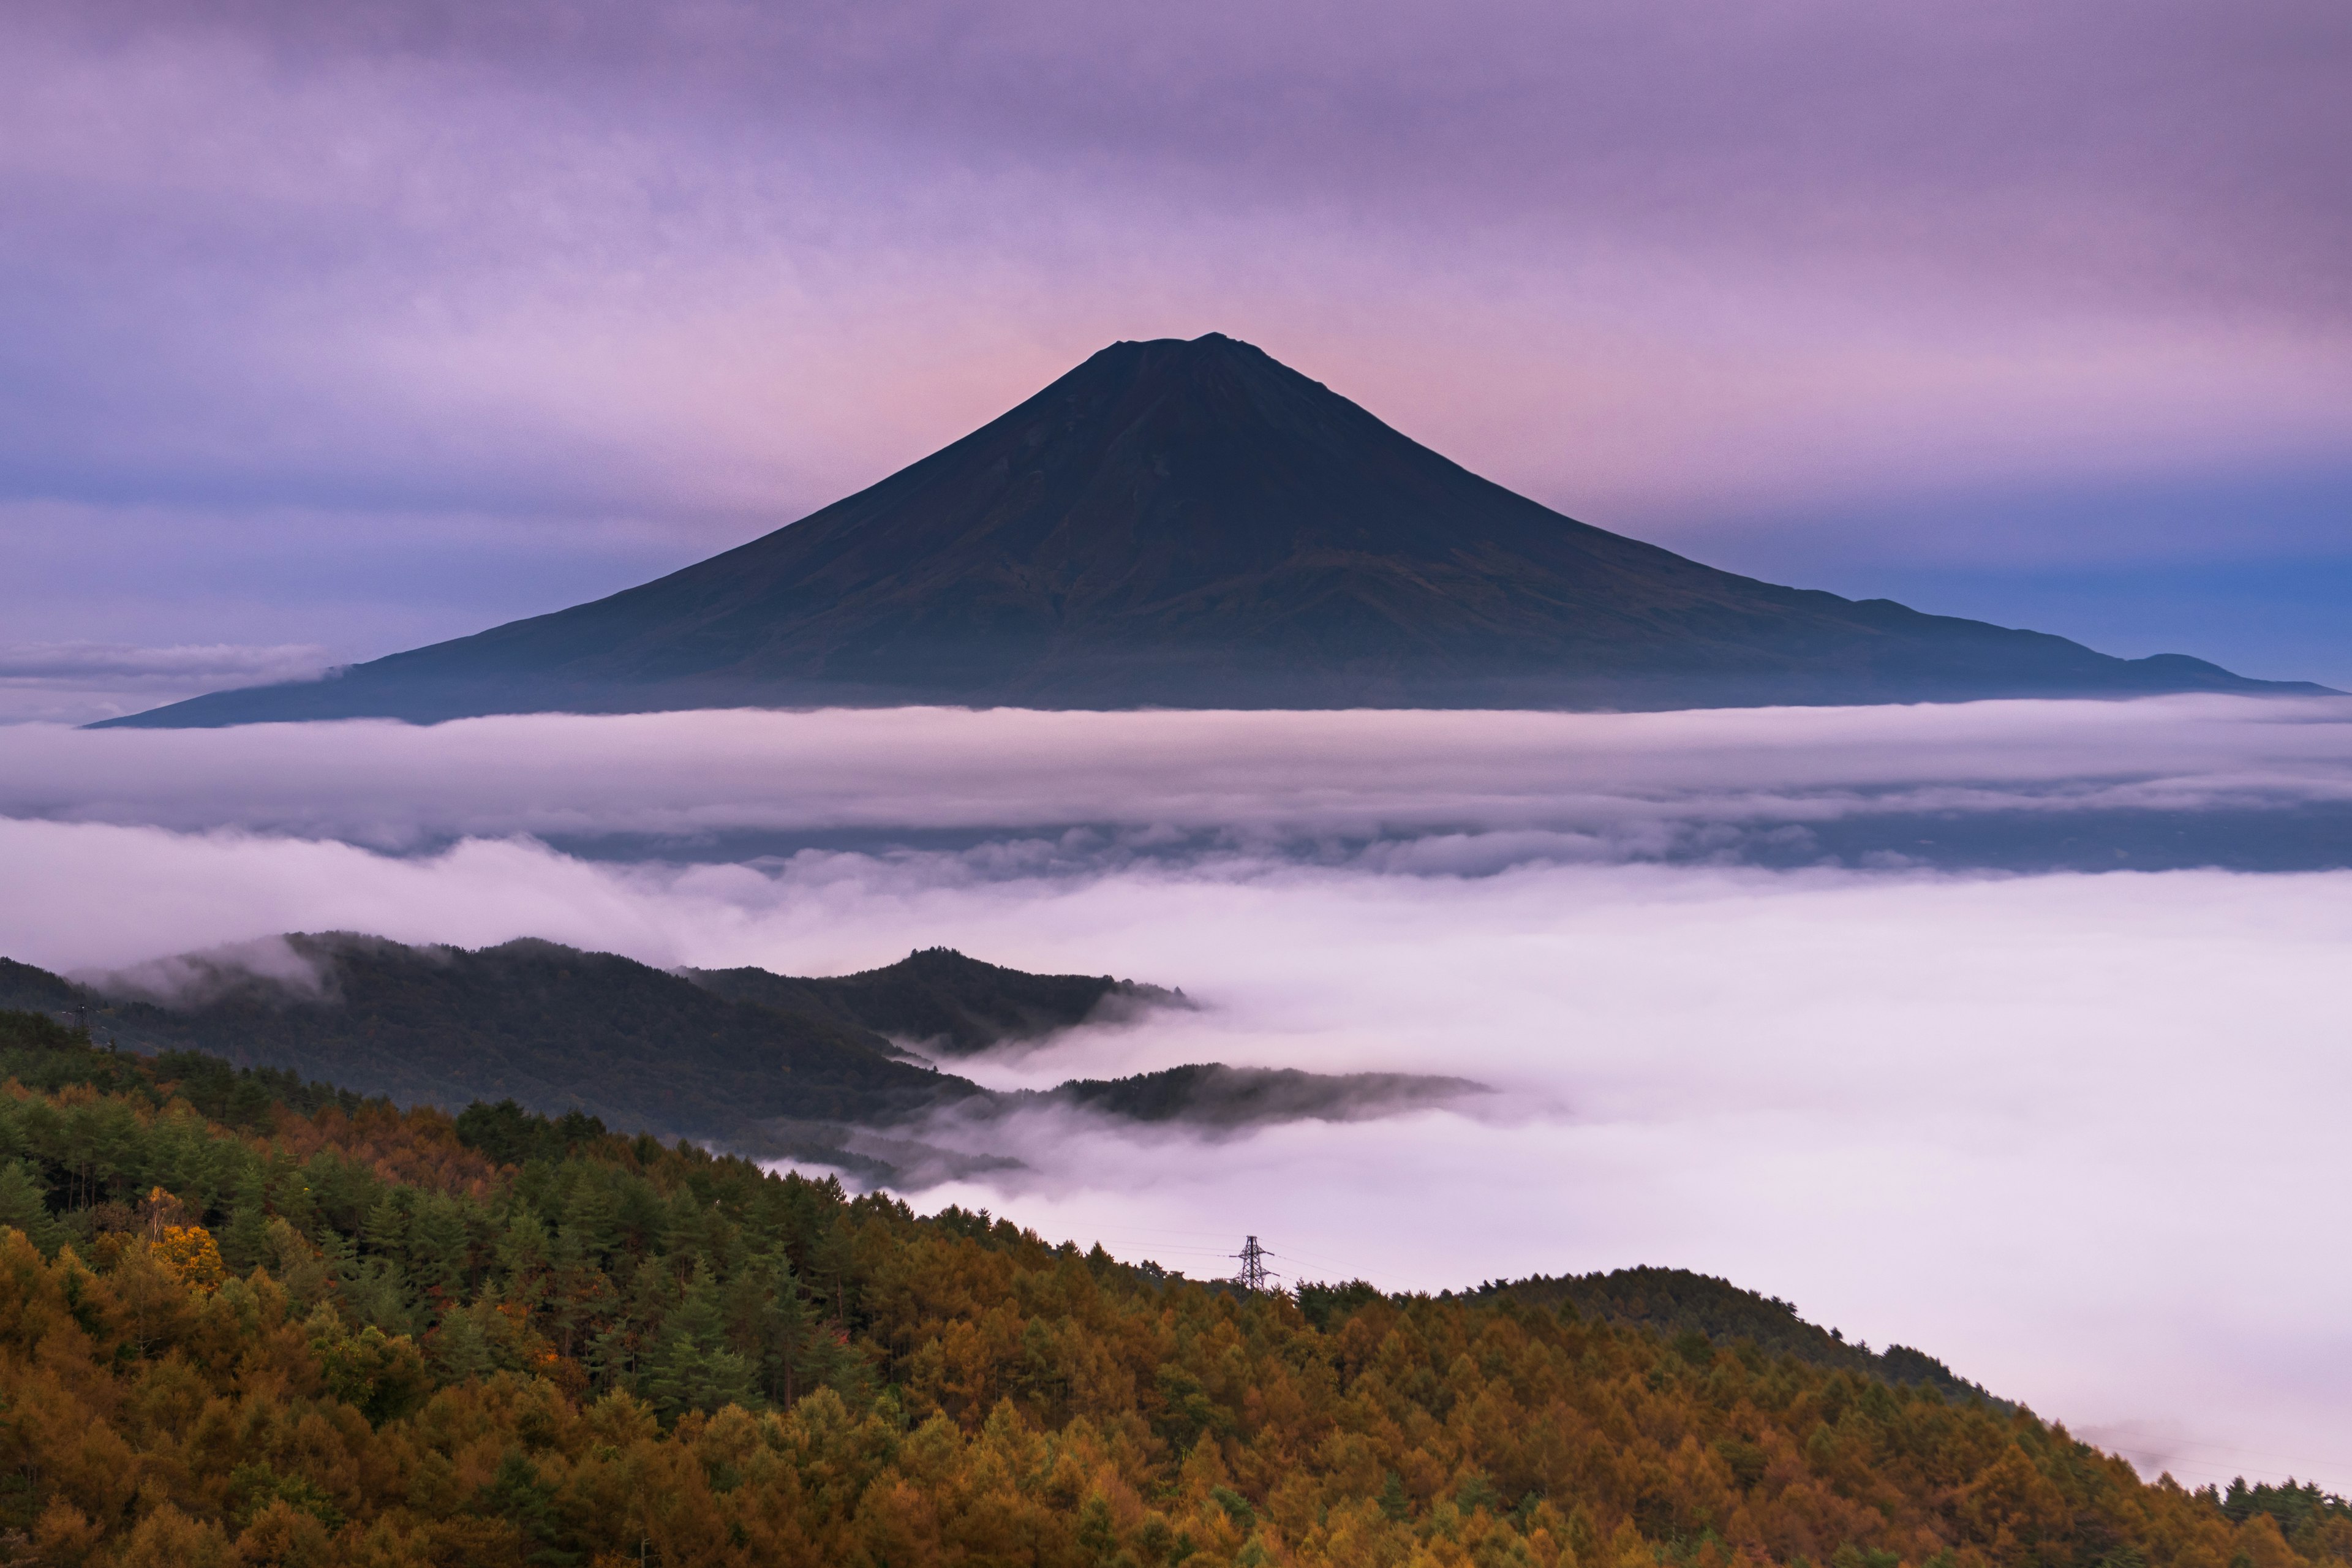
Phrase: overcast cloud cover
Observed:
(358, 328)
(2080, 1135)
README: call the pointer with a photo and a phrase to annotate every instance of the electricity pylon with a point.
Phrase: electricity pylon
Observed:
(1253, 1276)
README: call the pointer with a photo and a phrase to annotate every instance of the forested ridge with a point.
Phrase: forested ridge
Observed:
(251, 1319)
(551, 1026)
(762, 1063)
(1676, 1302)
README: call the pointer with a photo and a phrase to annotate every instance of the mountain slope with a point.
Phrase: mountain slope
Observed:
(1192, 524)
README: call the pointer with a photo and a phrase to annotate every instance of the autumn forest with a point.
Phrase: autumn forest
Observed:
(252, 1319)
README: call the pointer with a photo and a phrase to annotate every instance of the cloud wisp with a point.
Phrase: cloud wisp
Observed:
(81, 680)
(266, 966)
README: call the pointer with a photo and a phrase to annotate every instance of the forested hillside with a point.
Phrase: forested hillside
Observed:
(249, 1319)
(1676, 1302)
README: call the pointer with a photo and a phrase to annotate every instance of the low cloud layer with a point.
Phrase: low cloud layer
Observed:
(1419, 791)
(2076, 1134)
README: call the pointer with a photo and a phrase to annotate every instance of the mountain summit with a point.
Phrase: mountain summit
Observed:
(1196, 525)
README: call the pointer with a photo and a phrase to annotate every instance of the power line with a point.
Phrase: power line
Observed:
(1253, 1276)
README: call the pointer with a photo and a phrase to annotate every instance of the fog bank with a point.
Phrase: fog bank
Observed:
(1783, 785)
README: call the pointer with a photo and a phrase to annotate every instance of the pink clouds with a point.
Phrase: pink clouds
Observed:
(745, 261)
(1817, 293)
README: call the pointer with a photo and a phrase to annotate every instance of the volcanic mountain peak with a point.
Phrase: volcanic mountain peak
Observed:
(1195, 524)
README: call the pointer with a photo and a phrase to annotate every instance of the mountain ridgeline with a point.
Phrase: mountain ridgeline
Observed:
(254, 1320)
(1196, 525)
(764, 1064)
(946, 1003)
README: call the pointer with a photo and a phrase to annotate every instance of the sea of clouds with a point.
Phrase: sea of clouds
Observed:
(1569, 785)
(2079, 1134)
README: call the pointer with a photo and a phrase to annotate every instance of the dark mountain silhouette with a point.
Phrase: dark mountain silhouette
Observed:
(762, 1063)
(549, 1026)
(1214, 1095)
(1192, 524)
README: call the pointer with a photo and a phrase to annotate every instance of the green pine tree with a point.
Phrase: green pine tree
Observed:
(692, 1367)
(245, 1240)
(24, 1206)
(790, 1338)
(522, 1258)
(437, 1246)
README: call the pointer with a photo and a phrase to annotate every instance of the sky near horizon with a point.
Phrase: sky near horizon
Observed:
(330, 332)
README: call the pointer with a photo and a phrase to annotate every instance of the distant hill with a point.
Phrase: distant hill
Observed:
(1195, 525)
(37, 990)
(745, 1059)
(1212, 1094)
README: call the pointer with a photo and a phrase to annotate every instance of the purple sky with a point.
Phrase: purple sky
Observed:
(348, 331)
